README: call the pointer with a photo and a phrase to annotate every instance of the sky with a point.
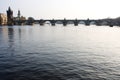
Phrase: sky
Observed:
(60, 9)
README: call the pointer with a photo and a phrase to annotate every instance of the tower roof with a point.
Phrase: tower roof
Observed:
(9, 8)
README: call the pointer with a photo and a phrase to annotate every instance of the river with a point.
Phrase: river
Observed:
(59, 52)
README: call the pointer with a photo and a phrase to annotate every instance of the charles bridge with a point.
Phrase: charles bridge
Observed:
(64, 21)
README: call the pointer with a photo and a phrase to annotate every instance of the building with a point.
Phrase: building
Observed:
(18, 16)
(9, 17)
(19, 20)
(3, 19)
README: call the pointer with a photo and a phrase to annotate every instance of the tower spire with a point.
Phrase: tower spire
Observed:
(9, 8)
(19, 14)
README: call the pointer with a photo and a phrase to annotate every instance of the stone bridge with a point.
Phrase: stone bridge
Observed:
(53, 22)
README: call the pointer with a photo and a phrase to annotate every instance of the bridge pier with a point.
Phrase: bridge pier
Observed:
(41, 22)
(76, 22)
(53, 22)
(111, 23)
(64, 22)
(98, 23)
(87, 23)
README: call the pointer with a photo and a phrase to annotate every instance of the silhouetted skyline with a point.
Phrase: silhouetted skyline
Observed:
(69, 9)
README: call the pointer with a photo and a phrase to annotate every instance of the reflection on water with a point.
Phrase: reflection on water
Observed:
(59, 53)
(11, 39)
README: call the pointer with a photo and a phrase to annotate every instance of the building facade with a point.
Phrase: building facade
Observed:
(3, 19)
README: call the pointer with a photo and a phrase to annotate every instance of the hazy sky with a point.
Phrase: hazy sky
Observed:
(70, 9)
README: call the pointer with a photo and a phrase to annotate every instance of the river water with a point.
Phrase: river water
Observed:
(59, 53)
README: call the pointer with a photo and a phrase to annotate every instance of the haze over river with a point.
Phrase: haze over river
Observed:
(59, 53)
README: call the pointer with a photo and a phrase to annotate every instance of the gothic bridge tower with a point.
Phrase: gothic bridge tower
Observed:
(9, 17)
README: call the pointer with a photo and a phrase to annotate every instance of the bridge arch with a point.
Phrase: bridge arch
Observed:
(70, 22)
(92, 23)
(82, 22)
(47, 22)
(59, 22)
